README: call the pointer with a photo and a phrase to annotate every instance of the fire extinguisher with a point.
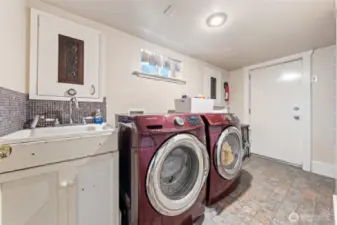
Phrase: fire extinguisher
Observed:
(226, 91)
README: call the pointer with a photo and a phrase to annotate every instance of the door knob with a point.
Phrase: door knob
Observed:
(297, 117)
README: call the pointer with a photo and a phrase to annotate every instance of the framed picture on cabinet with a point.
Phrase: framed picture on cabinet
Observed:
(71, 60)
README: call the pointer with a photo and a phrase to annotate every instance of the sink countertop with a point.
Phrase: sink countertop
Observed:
(56, 133)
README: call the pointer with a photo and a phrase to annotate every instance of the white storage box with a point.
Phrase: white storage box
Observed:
(193, 105)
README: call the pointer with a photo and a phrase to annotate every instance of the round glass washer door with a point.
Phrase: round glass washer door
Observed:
(228, 153)
(176, 174)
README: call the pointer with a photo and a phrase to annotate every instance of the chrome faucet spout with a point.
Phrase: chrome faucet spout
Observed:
(35, 121)
(72, 99)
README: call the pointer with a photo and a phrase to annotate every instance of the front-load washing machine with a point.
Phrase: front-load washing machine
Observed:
(224, 144)
(164, 166)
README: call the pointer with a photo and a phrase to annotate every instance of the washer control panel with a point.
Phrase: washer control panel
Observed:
(193, 120)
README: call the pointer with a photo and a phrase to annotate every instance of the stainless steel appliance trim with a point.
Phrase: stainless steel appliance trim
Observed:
(158, 200)
(134, 177)
(225, 173)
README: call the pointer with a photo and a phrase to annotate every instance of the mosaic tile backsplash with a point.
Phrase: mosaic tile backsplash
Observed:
(17, 111)
(61, 110)
(12, 111)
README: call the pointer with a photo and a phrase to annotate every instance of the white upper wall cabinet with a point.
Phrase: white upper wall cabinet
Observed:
(212, 85)
(64, 56)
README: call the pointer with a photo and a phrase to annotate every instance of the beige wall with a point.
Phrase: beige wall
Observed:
(323, 103)
(123, 90)
(13, 45)
(236, 82)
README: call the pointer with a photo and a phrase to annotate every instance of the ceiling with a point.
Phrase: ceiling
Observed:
(256, 30)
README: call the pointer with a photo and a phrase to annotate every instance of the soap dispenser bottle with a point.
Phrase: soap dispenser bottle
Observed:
(98, 119)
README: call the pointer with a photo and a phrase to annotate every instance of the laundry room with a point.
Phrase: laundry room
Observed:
(168, 112)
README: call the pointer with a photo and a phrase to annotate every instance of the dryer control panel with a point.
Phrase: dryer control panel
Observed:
(193, 120)
(162, 123)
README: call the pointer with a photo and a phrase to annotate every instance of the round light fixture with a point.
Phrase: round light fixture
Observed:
(216, 19)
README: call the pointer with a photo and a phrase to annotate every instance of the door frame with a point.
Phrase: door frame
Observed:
(306, 58)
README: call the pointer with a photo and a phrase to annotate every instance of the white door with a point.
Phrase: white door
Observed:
(213, 84)
(276, 102)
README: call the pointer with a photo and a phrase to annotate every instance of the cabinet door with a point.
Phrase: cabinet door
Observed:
(51, 30)
(93, 197)
(30, 198)
(79, 192)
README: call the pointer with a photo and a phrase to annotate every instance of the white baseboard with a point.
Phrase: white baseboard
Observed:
(325, 169)
(335, 207)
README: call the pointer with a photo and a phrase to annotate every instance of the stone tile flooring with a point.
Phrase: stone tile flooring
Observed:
(273, 193)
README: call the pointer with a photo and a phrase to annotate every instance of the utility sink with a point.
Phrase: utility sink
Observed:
(60, 132)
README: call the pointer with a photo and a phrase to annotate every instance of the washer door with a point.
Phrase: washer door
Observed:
(228, 153)
(176, 174)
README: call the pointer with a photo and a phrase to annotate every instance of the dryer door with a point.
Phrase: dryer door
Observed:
(176, 174)
(228, 153)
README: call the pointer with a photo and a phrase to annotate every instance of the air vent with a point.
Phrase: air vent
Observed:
(169, 10)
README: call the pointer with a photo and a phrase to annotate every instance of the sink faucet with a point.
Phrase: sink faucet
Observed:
(37, 119)
(73, 99)
(34, 122)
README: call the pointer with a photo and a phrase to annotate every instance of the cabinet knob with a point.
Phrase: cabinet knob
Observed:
(5, 151)
(67, 183)
(92, 90)
(64, 184)
(72, 92)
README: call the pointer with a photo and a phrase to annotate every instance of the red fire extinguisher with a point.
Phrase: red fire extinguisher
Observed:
(226, 91)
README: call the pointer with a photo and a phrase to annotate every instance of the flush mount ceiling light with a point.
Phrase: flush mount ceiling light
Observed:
(216, 19)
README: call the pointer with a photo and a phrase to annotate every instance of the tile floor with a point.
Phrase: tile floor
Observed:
(273, 193)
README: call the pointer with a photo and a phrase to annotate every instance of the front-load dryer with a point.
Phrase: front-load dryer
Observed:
(164, 166)
(224, 144)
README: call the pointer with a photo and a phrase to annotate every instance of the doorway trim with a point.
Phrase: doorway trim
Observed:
(306, 58)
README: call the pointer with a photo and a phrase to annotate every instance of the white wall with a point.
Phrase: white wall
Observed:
(323, 103)
(13, 45)
(123, 90)
(236, 99)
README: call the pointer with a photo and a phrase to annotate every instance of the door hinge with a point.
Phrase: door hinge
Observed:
(250, 111)
(250, 76)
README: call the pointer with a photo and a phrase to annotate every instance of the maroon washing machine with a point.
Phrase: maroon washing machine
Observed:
(164, 166)
(224, 144)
